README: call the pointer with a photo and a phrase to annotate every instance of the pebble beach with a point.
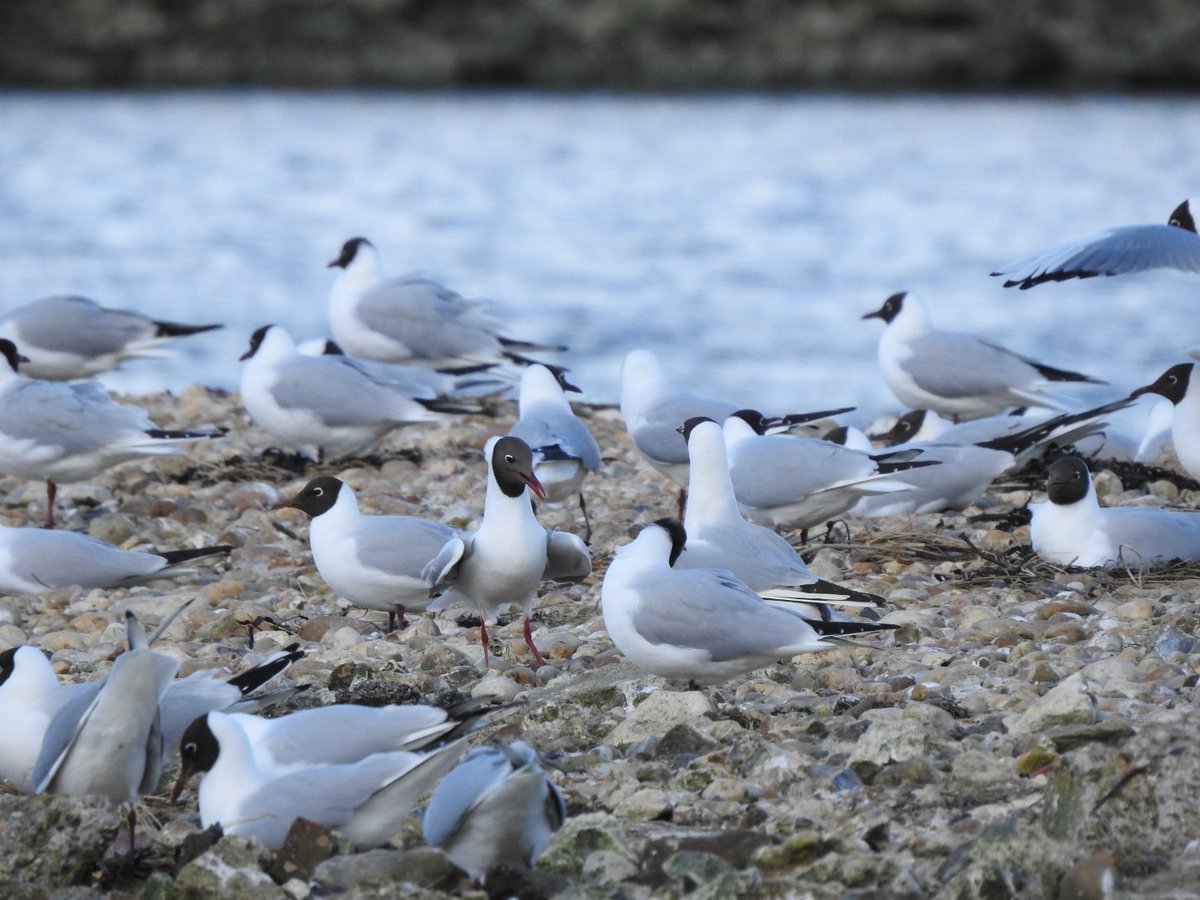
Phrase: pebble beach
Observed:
(1027, 731)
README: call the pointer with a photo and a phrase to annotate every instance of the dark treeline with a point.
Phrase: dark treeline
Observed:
(864, 45)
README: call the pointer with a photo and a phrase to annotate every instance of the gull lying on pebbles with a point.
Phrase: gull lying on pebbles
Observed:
(374, 562)
(366, 799)
(33, 560)
(72, 432)
(496, 806)
(702, 626)
(1072, 529)
(70, 337)
(510, 554)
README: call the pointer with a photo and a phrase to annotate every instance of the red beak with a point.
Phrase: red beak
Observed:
(534, 485)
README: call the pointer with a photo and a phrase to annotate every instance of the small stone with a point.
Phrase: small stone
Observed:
(658, 713)
(1034, 761)
(580, 837)
(800, 849)
(1043, 673)
(1138, 608)
(1174, 641)
(644, 805)
(1068, 703)
(1107, 484)
(496, 687)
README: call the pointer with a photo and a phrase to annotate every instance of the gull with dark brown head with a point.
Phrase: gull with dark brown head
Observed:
(70, 337)
(411, 317)
(510, 554)
(957, 374)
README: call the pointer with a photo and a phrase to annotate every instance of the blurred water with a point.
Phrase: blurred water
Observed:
(740, 236)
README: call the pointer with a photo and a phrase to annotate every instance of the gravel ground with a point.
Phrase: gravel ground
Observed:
(1024, 732)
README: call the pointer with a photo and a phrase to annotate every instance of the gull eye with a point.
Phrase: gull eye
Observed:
(509, 458)
(189, 747)
(318, 492)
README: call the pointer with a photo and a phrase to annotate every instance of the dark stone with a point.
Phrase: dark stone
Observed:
(683, 740)
(306, 846)
(195, 844)
(734, 847)
(505, 880)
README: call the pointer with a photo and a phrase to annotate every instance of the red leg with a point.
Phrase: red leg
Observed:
(483, 640)
(529, 640)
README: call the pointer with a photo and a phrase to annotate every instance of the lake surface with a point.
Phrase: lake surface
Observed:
(742, 237)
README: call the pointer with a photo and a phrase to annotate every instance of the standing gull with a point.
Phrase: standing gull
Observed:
(375, 562)
(72, 337)
(954, 373)
(702, 626)
(564, 451)
(411, 318)
(1181, 385)
(1117, 251)
(510, 554)
(71, 432)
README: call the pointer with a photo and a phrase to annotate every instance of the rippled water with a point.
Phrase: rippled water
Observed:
(740, 236)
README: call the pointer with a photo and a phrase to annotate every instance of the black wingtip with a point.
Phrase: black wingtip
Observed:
(174, 557)
(178, 329)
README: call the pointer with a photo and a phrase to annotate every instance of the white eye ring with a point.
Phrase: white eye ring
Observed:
(318, 492)
(509, 458)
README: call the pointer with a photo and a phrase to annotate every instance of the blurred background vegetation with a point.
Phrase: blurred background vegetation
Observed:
(857, 45)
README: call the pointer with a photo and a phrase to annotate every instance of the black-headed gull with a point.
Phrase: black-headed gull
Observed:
(702, 626)
(957, 374)
(31, 695)
(653, 409)
(1117, 251)
(71, 432)
(411, 318)
(505, 560)
(1072, 529)
(564, 451)
(323, 406)
(110, 742)
(789, 481)
(366, 800)
(1179, 384)
(719, 538)
(333, 735)
(71, 337)
(496, 806)
(967, 467)
(34, 560)
(374, 562)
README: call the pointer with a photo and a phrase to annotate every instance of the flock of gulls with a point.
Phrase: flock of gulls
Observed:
(698, 599)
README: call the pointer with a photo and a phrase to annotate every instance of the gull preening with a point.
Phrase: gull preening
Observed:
(1116, 251)
(496, 806)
